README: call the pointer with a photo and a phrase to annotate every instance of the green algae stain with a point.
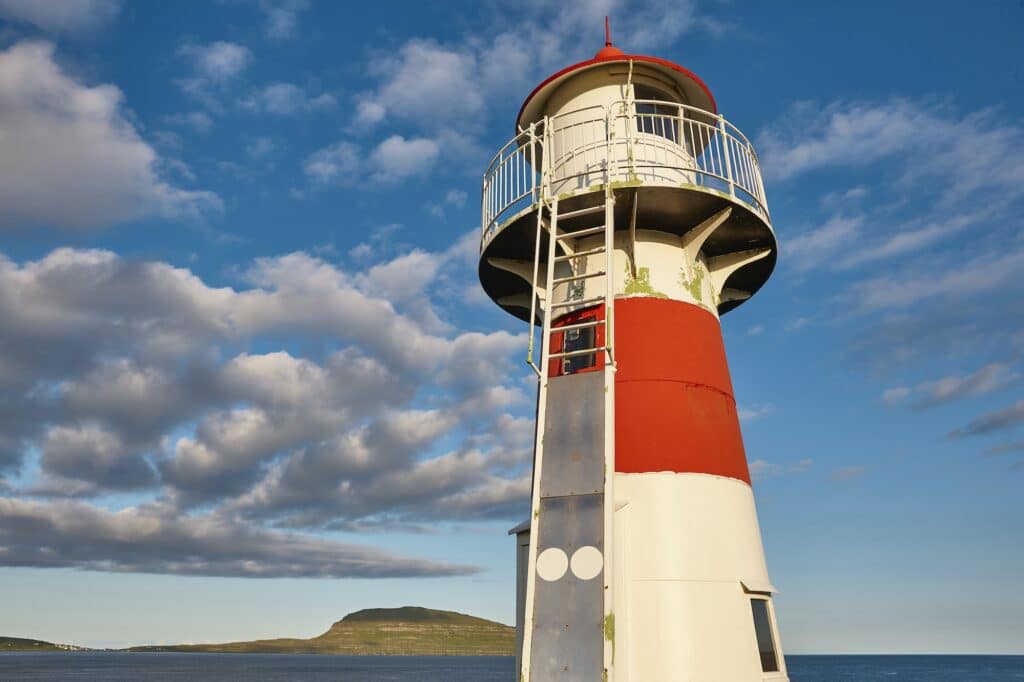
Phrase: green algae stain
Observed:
(609, 631)
(641, 284)
(694, 283)
(609, 627)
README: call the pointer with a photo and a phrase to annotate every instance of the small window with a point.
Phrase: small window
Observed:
(657, 119)
(578, 339)
(765, 640)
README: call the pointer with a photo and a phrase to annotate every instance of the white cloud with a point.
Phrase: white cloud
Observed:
(338, 163)
(282, 17)
(136, 396)
(453, 198)
(69, 156)
(61, 16)
(425, 82)
(762, 469)
(286, 99)
(753, 412)
(154, 539)
(261, 147)
(958, 279)
(992, 377)
(198, 121)
(393, 159)
(397, 158)
(894, 395)
(218, 61)
(825, 245)
(927, 143)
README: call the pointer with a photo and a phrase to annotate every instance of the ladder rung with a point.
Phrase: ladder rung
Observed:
(574, 353)
(582, 211)
(580, 254)
(586, 232)
(581, 302)
(578, 325)
(573, 278)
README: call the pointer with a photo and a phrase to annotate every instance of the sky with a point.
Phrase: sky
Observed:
(249, 382)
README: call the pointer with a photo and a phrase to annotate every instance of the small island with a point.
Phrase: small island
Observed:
(405, 631)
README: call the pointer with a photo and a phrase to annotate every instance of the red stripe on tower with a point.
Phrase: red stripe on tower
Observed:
(674, 406)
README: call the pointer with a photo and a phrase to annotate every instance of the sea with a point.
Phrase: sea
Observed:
(155, 667)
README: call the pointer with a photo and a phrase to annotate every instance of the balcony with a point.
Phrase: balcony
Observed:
(638, 143)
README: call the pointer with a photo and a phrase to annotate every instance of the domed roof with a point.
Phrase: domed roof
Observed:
(696, 91)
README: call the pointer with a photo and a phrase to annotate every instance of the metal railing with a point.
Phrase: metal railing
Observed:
(652, 142)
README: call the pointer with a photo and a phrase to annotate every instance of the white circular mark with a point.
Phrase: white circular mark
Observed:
(552, 564)
(587, 562)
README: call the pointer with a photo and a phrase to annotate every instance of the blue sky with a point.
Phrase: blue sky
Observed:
(248, 381)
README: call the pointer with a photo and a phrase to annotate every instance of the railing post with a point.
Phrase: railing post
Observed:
(533, 163)
(725, 152)
(545, 160)
(760, 179)
(483, 214)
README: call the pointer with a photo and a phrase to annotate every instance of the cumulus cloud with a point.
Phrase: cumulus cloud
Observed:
(261, 147)
(282, 17)
(154, 539)
(426, 82)
(65, 16)
(286, 99)
(69, 156)
(90, 455)
(217, 61)
(121, 376)
(392, 160)
(467, 74)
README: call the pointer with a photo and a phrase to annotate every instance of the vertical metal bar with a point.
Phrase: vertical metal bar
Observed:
(533, 165)
(728, 163)
(760, 181)
(609, 427)
(538, 463)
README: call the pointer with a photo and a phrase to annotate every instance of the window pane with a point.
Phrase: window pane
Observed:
(765, 642)
(578, 339)
(656, 119)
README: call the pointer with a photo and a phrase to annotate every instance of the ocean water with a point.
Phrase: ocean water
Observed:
(117, 667)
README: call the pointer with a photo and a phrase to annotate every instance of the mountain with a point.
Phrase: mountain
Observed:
(407, 631)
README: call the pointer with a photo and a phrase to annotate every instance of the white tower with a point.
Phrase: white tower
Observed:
(622, 219)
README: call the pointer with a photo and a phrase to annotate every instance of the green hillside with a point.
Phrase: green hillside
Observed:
(408, 631)
(20, 644)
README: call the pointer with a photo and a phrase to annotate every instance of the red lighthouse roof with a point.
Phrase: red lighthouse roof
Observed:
(696, 91)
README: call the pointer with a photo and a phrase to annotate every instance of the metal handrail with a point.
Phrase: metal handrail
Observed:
(702, 148)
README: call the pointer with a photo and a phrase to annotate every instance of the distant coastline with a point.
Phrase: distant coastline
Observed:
(405, 631)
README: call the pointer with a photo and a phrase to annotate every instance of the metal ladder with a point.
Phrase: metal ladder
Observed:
(540, 617)
(552, 309)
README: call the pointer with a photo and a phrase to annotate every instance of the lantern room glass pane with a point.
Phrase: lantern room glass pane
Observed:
(765, 640)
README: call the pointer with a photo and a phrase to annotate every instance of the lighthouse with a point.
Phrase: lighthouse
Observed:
(621, 221)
